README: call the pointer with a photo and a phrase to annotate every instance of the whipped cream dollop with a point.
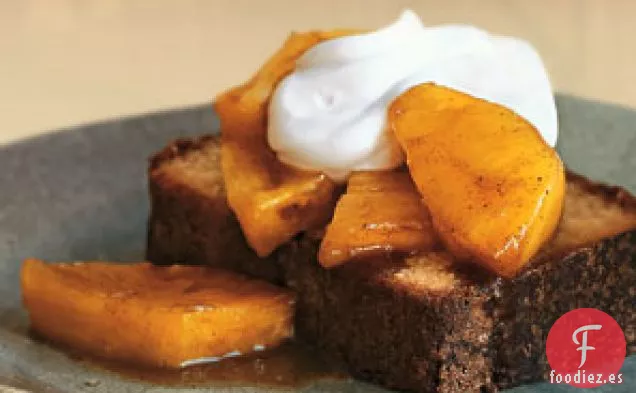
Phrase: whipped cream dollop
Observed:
(330, 114)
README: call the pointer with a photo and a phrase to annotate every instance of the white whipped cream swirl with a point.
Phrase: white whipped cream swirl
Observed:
(330, 113)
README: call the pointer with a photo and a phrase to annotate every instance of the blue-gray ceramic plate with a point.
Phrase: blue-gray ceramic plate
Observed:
(80, 194)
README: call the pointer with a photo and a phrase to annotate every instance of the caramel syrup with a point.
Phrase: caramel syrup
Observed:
(290, 365)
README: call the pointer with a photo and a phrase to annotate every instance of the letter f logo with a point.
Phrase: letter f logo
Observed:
(573, 330)
(584, 347)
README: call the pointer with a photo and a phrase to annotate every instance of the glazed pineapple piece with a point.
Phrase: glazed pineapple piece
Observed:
(381, 212)
(272, 201)
(493, 187)
(154, 316)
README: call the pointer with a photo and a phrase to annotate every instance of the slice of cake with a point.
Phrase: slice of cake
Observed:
(417, 323)
(204, 230)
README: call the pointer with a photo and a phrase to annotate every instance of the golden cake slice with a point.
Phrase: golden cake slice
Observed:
(423, 323)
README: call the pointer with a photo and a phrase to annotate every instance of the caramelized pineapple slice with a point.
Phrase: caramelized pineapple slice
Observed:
(154, 316)
(493, 187)
(272, 201)
(380, 212)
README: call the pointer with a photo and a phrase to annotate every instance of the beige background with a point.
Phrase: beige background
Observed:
(67, 62)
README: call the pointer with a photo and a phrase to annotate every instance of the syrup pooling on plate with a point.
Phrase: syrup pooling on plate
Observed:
(330, 113)
(291, 365)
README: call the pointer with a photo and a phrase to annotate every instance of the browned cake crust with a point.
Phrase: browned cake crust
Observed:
(190, 221)
(423, 323)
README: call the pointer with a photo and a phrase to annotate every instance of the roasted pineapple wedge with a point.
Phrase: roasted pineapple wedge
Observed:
(272, 201)
(493, 187)
(154, 316)
(380, 212)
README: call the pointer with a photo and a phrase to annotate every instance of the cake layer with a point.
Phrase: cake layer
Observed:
(421, 323)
